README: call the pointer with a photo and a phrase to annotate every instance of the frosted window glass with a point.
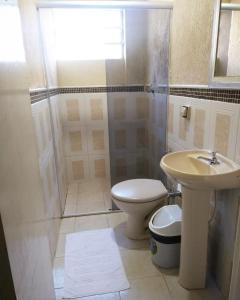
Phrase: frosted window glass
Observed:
(84, 34)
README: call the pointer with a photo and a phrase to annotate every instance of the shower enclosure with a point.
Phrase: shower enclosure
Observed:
(137, 115)
(107, 96)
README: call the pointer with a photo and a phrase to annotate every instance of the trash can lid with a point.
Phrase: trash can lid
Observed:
(139, 190)
(166, 221)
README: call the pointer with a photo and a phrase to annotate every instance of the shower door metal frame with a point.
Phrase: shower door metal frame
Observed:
(106, 4)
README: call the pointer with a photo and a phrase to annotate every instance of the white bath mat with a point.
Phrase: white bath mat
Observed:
(93, 264)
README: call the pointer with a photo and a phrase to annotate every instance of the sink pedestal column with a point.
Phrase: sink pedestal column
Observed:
(195, 216)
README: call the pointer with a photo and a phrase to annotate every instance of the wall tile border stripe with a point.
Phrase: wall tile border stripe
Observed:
(223, 95)
(41, 94)
(102, 89)
(38, 95)
(215, 94)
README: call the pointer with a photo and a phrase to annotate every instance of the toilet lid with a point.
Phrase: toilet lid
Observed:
(139, 190)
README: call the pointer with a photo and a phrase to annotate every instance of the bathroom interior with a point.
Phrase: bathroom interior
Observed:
(115, 115)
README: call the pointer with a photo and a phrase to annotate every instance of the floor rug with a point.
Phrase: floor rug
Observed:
(93, 264)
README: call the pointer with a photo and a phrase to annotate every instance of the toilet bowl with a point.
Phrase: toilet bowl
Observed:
(138, 198)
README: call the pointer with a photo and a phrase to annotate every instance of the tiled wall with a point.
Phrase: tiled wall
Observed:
(85, 137)
(213, 125)
(137, 124)
(129, 115)
(136, 132)
(157, 129)
(51, 170)
(59, 150)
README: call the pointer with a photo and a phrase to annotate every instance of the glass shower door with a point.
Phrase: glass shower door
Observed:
(137, 110)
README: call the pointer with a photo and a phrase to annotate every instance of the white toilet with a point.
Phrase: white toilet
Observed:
(138, 198)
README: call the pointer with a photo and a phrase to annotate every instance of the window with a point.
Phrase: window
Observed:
(89, 34)
(11, 47)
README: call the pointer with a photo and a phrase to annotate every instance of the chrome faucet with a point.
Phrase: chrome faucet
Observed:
(213, 160)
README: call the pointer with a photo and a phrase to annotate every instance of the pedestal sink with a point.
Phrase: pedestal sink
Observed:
(199, 179)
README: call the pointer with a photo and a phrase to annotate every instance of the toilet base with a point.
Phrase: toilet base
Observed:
(137, 229)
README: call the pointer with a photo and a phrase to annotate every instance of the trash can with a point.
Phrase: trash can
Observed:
(165, 229)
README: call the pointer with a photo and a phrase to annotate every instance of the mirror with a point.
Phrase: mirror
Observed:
(225, 65)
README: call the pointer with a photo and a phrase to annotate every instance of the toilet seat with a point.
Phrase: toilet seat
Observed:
(139, 190)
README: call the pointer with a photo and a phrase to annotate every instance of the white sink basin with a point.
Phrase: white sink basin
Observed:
(198, 178)
(188, 169)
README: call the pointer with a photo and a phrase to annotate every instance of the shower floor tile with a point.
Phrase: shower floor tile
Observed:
(91, 223)
(67, 225)
(146, 281)
(89, 196)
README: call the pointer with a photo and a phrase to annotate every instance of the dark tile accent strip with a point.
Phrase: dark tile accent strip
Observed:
(158, 89)
(38, 95)
(223, 95)
(102, 89)
(53, 91)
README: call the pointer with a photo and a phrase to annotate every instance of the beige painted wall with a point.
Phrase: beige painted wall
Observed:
(191, 41)
(31, 38)
(100, 72)
(190, 49)
(136, 45)
(234, 46)
(158, 46)
(49, 45)
(223, 43)
(81, 73)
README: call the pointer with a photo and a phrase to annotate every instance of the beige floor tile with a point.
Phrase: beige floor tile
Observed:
(118, 222)
(149, 288)
(71, 205)
(91, 223)
(107, 200)
(138, 263)
(60, 251)
(58, 272)
(70, 210)
(179, 293)
(110, 296)
(90, 196)
(90, 207)
(73, 188)
(67, 225)
(94, 185)
(116, 219)
(90, 202)
(71, 199)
